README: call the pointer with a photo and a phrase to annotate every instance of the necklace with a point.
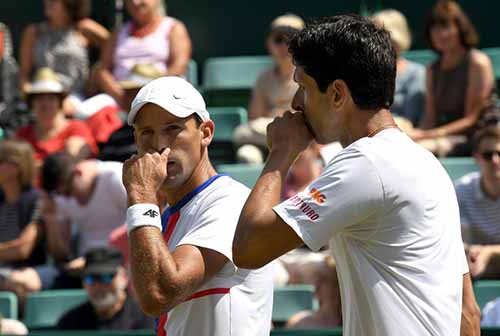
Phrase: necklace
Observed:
(383, 127)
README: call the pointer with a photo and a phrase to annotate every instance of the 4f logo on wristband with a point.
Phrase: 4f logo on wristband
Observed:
(151, 213)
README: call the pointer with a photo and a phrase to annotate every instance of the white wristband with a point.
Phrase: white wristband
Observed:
(143, 214)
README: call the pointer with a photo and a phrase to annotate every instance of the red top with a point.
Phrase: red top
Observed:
(43, 148)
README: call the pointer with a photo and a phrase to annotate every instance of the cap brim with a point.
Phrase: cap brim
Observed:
(100, 269)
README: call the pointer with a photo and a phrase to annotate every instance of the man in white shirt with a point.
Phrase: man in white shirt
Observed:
(384, 205)
(182, 264)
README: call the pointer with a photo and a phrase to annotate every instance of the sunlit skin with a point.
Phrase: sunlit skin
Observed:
(142, 11)
(188, 166)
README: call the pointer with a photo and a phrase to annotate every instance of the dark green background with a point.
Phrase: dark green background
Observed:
(238, 27)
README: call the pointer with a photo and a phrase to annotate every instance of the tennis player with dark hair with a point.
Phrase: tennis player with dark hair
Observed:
(384, 205)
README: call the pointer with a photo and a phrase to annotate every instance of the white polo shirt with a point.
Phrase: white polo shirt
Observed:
(235, 301)
(389, 212)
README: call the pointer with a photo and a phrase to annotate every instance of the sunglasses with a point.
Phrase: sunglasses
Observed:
(280, 39)
(105, 279)
(488, 155)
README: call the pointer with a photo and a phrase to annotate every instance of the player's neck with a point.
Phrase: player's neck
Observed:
(368, 124)
(201, 173)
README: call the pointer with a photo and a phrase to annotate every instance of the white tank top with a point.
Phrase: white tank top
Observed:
(153, 48)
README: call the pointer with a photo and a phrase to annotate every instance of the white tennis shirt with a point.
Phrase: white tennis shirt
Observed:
(235, 301)
(389, 213)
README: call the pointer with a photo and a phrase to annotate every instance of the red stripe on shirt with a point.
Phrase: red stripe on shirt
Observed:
(207, 292)
(172, 222)
(161, 325)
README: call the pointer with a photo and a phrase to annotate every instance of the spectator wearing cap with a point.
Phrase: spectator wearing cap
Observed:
(478, 196)
(109, 306)
(273, 92)
(150, 37)
(409, 97)
(52, 131)
(121, 143)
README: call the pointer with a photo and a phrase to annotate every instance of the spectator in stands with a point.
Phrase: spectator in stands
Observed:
(52, 131)
(9, 96)
(478, 195)
(304, 170)
(273, 91)
(409, 97)
(12, 327)
(458, 83)
(20, 231)
(150, 37)
(109, 307)
(121, 144)
(61, 43)
(329, 314)
(88, 194)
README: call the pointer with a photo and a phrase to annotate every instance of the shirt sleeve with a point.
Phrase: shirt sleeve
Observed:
(216, 223)
(347, 193)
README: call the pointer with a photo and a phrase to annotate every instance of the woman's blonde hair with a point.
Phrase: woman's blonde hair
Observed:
(19, 153)
(395, 22)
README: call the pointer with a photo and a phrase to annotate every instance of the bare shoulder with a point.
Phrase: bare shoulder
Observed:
(479, 59)
(30, 30)
(89, 25)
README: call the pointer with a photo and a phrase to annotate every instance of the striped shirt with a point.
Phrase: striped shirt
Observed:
(479, 214)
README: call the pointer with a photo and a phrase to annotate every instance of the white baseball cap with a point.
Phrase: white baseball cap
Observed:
(173, 94)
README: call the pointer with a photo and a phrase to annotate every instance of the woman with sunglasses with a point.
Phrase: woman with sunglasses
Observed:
(273, 92)
(150, 37)
(478, 196)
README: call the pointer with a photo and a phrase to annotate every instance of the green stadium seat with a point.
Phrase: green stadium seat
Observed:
(226, 119)
(192, 73)
(307, 332)
(92, 333)
(423, 56)
(494, 54)
(44, 309)
(244, 173)
(490, 331)
(8, 305)
(291, 299)
(486, 291)
(457, 167)
(228, 81)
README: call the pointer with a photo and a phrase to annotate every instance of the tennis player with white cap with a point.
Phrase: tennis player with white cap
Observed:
(181, 261)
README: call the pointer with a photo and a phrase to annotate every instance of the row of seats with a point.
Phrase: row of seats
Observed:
(227, 81)
(248, 174)
(43, 309)
(278, 332)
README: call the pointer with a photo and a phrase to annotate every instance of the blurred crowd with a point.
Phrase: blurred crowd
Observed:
(62, 202)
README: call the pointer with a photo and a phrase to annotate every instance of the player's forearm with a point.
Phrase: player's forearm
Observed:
(154, 271)
(257, 216)
(471, 315)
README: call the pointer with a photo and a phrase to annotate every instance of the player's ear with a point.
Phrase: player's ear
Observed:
(338, 91)
(207, 129)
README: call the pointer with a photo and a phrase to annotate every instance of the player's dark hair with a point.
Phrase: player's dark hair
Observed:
(56, 170)
(353, 49)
